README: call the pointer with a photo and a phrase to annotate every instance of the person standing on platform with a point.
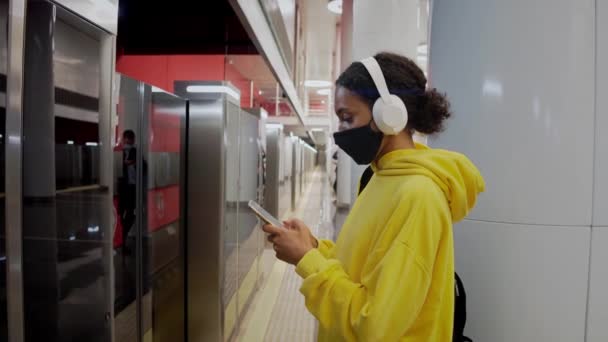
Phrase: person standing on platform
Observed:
(390, 275)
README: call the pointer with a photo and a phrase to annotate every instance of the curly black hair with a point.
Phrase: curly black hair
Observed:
(427, 108)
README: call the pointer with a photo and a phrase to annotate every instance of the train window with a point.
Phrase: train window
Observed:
(3, 69)
(66, 212)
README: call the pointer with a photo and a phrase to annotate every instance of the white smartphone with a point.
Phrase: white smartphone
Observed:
(264, 215)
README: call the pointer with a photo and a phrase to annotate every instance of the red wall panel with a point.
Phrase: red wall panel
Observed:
(162, 71)
(149, 69)
(163, 207)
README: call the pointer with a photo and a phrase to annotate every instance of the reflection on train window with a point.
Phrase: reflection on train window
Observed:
(163, 255)
(66, 223)
(148, 239)
(3, 68)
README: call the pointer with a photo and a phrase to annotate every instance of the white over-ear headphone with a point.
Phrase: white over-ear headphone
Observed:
(389, 111)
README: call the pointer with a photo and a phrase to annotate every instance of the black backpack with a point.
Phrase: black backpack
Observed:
(460, 297)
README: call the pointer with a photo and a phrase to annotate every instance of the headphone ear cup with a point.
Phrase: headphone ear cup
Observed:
(377, 111)
(391, 118)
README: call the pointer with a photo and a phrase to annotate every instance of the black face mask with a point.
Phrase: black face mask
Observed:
(361, 143)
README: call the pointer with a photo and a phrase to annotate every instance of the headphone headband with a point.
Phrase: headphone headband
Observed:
(389, 111)
(373, 68)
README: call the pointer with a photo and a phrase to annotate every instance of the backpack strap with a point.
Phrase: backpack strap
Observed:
(365, 178)
(460, 310)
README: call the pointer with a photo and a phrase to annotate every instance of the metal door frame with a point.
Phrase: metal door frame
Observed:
(14, 132)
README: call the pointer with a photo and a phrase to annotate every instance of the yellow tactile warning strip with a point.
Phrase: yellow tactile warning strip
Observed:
(290, 321)
(272, 317)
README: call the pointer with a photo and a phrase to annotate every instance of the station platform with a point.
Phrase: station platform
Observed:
(278, 312)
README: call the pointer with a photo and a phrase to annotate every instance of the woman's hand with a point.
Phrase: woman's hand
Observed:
(292, 241)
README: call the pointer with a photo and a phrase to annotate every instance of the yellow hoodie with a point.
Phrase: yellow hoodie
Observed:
(390, 276)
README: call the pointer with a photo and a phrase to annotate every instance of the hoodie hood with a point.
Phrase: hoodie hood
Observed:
(453, 172)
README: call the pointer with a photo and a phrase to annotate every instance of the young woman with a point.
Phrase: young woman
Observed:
(390, 276)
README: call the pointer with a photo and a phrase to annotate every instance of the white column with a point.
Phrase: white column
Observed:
(385, 25)
(344, 186)
(597, 329)
(520, 77)
(380, 25)
(346, 34)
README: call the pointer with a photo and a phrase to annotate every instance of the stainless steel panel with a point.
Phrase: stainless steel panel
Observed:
(13, 181)
(165, 249)
(3, 66)
(294, 174)
(103, 13)
(205, 215)
(162, 262)
(273, 164)
(217, 228)
(249, 233)
(232, 221)
(285, 192)
(141, 213)
(280, 31)
(14, 129)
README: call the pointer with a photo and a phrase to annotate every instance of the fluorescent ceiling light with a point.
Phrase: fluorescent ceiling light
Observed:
(263, 113)
(422, 49)
(274, 125)
(70, 61)
(91, 144)
(70, 142)
(492, 88)
(317, 129)
(317, 83)
(335, 6)
(206, 89)
(325, 91)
